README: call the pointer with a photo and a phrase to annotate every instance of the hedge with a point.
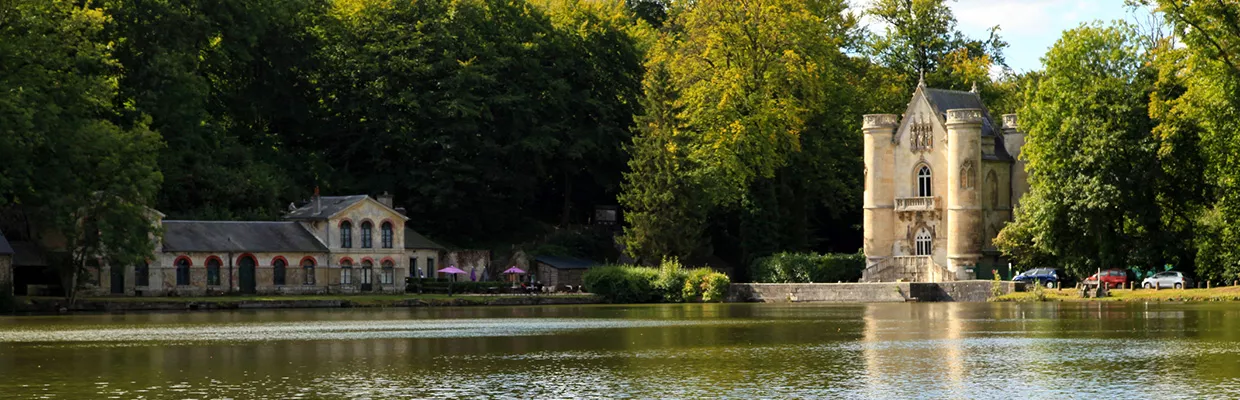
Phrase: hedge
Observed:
(671, 283)
(808, 268)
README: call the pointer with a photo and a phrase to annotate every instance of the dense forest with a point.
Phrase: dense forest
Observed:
(721, 128)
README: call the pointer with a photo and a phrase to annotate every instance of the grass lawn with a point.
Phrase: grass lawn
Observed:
(1227, 293)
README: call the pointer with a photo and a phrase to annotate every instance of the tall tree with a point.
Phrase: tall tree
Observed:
(664, 211)
(921, 37)
(1092, 161)
(83, 181)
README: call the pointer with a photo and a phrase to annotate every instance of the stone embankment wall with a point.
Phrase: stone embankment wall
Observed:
(977, 290)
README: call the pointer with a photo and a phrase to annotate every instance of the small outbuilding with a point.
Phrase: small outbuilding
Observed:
(6, 267)
(557, 272)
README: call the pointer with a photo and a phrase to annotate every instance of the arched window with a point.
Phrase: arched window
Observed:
(386, 234)
(366, 244)
(278, 273)
(923, 182)
(388, 273)
(307, 268)
(213, 271)
(142, 274)
(368, 268)
(924, 242)
(346, 234)
(346, 272)
(182, 265)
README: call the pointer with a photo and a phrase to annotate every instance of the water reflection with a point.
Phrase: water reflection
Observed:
(949, 350)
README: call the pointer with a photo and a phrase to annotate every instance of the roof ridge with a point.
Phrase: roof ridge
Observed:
(229, 222)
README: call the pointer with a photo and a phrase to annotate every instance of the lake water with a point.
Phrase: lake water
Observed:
(859, 351)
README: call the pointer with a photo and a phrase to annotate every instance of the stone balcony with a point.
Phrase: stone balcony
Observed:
(930, 203)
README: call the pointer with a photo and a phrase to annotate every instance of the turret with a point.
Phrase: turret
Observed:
(1013, 140)
(878, 202)
(964, 198)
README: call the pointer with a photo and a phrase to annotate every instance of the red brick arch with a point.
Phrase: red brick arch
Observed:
(280, 258)
(183, 257)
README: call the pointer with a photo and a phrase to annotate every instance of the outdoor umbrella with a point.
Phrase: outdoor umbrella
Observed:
(473, 274)
(452, 270)
(514, 270)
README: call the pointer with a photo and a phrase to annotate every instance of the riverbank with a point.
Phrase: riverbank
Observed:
(52, 305)
(1228, 293)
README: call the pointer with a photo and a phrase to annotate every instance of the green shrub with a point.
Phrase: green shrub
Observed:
(692, 289)
(671, 280)
(807, 268)
(715, 287)
(623, 283)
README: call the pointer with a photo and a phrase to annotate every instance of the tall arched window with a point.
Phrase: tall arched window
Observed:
(366, 227)
(278, 271)
(368, 268)
(346, 272)
(182, 265)
(307, 270)
(386, 234)
(992, 189)
(213, 271)
(924, 242)
(388, 274)
(923, 182)
(346, 234)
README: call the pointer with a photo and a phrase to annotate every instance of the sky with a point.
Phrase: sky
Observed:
(1030, 27)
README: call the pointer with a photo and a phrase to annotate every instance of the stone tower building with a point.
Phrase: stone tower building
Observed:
(940, 182)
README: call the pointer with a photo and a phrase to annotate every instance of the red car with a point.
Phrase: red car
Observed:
(1112, 277)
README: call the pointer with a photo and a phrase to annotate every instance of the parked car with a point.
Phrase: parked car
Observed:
(1167, 279)
(1051, 277)
(1113, 278)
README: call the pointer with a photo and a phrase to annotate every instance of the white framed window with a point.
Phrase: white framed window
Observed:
(346, 272)
(923, 182)
(924, 243)
(387, 273)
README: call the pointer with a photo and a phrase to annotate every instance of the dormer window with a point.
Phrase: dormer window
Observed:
(346, 235)
(366, 228)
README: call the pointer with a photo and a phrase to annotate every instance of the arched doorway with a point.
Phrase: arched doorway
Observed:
(249, 285)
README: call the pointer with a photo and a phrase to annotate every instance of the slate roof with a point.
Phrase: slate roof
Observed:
(565, 262)
(5, 248)
(942, 100)
(415, 241)
(330, 205)
(239, 236)
(28, 254)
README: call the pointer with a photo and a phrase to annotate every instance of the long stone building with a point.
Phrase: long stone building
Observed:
(941, 180)
(332, 244)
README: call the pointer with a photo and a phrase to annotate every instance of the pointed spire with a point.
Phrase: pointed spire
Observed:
(921, 79)
(974, 89)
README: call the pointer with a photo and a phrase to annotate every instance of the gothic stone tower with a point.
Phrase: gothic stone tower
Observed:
(939, 185)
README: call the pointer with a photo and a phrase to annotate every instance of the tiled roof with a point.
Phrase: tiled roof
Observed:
(565, 262)
(239, 236)
(5, 248)
(415, 241)
(942, 100)
(329, 206)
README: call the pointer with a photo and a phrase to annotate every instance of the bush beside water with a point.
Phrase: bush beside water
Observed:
(808, 268)
(670, 283)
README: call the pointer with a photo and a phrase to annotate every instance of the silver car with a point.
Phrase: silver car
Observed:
(1168, 279)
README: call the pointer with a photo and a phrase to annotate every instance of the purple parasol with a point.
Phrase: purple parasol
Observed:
(452, 270)
(514, 270)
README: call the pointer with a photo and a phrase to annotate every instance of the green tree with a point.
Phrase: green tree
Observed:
(82, 181)
(664, 211)
(921, 37)
(1092, 162)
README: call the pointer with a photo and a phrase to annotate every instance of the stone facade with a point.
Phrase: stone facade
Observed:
(6, 274)
(940, 182)
(323, 261)
(890, 292)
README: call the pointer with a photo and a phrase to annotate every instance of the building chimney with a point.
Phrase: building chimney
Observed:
(386, 199)
(318, 203)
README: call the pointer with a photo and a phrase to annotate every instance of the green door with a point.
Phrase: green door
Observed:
(118, 280)
(249, 284)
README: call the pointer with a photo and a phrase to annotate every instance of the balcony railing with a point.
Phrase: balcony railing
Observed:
(917, 203)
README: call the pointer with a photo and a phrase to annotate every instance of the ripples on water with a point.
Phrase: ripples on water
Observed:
(677, 351)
